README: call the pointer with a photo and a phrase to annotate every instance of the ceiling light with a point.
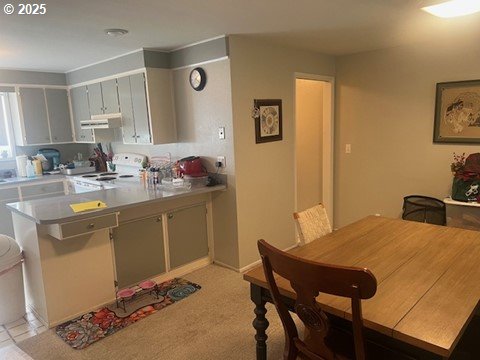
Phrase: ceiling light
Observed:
(454, 8)
(116, 32)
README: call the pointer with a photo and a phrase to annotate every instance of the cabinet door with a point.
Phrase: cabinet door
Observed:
(59, 115)
(80, 111)
(95, 99)
(110, 96)
(125, 98)
(39, 191)
(187, 235)
(140, 108)
(34, 110)
(7, 196)
(139, 250)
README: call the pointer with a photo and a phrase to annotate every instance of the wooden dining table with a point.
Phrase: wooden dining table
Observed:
(428, 283)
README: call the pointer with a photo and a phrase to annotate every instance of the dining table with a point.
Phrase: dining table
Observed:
(428, 283)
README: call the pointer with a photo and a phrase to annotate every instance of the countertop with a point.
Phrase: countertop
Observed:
(56, 210)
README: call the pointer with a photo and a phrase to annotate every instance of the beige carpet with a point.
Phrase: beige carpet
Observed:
(214, 323)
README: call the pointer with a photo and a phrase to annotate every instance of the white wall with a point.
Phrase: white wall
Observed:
(385, 108)
(265, 172)
(308, 138)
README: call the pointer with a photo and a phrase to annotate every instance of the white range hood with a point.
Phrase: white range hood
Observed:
(103, 121)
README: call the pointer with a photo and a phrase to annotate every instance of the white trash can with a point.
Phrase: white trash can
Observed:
(12, 294)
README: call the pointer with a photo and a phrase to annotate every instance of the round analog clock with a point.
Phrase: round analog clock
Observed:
(198, 78)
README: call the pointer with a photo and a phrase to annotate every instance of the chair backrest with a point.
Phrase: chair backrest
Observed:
(424, 209)
(312, 223)
(308, 279)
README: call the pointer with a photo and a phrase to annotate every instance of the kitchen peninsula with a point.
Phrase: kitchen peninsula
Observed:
(75, 262)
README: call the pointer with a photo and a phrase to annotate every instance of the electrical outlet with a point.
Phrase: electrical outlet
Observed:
(221, 160)
(348, 148)
(221, 133)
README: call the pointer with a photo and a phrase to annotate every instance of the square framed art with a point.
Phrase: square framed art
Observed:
(268, 120)
(457, 112)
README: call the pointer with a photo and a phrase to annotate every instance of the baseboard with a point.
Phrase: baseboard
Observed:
(219, 263)
(258, 262)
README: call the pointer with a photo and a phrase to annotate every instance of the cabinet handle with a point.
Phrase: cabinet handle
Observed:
(159, 219)
(90, 226)
(170, 216)
(134, 136)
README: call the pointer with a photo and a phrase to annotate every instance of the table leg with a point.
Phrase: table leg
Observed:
(260, 323)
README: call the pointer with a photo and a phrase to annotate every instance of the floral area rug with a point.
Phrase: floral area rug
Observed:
(93, 326)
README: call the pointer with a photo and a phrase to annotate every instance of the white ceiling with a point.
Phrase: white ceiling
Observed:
(71, 34)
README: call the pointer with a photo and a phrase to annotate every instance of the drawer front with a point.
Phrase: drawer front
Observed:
(89, 225)
(9, 194)
(42, 189)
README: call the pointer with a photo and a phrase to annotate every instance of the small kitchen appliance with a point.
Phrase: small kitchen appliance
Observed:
(192, 166)
(53, 158)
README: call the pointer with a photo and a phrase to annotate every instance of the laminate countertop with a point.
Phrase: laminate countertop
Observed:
(57, 210)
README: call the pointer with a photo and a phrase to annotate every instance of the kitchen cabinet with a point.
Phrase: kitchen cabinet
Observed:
(81, 111)
(59, 115)
(24, 192)
(139, 250)
(7, 196)
(187, 235)
(159, 88)
(126, 107)
(41, 116)
(39, 191)
(134, 108)
(33, 110)
(103, 97)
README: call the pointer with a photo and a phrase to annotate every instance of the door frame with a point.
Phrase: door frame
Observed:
(327, 137)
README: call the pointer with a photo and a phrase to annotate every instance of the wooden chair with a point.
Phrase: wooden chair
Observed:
(308, 279)
(312, 223)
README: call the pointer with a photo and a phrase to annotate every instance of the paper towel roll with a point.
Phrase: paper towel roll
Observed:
(21, 165)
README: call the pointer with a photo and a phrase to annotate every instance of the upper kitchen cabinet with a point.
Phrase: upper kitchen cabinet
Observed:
(159, 86)
(81, 111)
(103, 97)
(41, 116)
(33, 112)
(146, 104)
(59, 115)
(134, 107)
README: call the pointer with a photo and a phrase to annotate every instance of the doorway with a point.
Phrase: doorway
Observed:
(314, 106)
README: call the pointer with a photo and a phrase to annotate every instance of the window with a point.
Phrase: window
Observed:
(7, 146)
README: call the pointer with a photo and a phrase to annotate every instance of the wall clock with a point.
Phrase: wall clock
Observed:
(198, 79)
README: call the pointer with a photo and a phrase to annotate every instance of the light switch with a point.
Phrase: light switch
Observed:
(348, 148)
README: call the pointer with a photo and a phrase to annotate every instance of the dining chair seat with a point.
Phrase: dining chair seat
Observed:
(312, 223)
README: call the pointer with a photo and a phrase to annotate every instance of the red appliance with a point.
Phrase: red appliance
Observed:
(191, 166)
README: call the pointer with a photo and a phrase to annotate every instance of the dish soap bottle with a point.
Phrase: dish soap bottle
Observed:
(30, 169)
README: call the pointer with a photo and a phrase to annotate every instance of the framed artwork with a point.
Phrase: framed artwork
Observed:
(457, 112)
(268, 120)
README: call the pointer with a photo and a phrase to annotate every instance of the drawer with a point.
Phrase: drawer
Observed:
(41, 189)
(9, 194)
(84, 226)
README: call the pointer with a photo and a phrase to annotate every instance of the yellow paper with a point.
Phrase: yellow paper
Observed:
(90, 205)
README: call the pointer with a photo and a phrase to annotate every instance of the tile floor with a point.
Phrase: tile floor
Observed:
(21, 329)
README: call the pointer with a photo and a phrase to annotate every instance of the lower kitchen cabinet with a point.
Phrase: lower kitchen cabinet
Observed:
(139, 250)
(187, 235)
(7, 196)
